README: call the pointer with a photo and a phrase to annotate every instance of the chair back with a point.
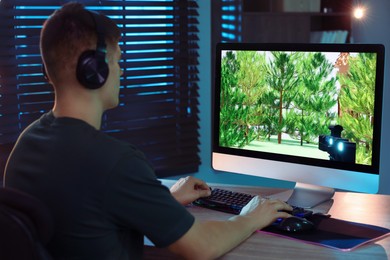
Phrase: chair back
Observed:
(25, 226)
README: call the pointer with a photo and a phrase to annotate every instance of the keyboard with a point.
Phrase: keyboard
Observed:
(232, 202)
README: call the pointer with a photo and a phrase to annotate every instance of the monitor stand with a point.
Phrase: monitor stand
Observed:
(309, 196)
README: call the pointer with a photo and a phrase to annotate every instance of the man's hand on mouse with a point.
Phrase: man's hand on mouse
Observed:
(188, 189)
(264, 211)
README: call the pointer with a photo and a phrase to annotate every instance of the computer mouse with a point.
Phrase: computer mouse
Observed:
(295, 224)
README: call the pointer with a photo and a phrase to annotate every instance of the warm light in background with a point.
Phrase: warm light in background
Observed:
(359, 12)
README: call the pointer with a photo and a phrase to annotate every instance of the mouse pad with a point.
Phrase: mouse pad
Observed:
(334, 233)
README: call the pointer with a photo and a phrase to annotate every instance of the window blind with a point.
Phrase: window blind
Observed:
(226, 17)
(226, 21)
(158, 108)
(231, 17)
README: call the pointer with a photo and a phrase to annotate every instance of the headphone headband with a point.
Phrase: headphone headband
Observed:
(101, 41)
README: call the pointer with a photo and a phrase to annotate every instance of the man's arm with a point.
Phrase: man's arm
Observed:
(211, 239)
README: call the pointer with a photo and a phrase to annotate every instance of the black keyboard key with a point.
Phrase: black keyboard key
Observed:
(225, 201)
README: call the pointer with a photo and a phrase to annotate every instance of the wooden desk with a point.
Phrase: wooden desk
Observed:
(362, 208)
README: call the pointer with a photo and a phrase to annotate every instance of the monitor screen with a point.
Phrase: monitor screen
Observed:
(307, 113)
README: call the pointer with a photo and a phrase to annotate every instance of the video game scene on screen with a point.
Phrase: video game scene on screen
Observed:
(312, 104)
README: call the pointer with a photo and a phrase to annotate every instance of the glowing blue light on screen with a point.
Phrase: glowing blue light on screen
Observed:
(340, 146)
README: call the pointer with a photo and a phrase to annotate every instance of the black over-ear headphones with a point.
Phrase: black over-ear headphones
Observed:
(92, 69)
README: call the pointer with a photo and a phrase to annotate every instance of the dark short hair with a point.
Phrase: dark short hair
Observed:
(68, 32)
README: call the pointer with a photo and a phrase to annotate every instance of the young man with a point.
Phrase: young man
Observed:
(102, 193)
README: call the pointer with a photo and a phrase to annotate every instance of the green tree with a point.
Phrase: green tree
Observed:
(233, 111)
(357, 104)
(251, 82)
(281, 78)
(268, 104)
(314, 98)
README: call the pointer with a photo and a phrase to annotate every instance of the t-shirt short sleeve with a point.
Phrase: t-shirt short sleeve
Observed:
(137, 200)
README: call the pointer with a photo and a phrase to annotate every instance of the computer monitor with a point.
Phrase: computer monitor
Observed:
(306, 113)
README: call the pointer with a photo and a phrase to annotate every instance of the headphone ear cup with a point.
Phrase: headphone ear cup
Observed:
(92, 69)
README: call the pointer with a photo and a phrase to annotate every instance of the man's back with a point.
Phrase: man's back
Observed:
(92, 184)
